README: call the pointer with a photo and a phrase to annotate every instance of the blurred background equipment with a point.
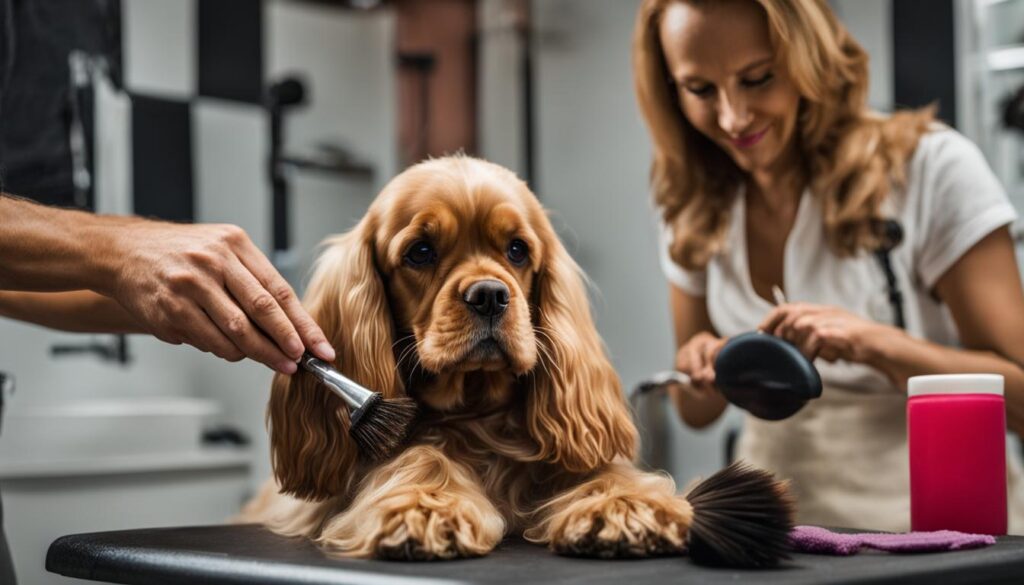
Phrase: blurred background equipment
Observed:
(332, 158)
(989, 41)
(1013, 111)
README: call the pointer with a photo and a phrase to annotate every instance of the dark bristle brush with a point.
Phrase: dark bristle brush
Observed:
(742, 517)
(378, 425)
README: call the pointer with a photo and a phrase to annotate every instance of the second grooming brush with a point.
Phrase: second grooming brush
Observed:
(760, 373)
(377, 424)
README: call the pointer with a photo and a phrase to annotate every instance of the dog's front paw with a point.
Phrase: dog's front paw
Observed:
(419, 526)
(621, 526)
(428, 533)
(418, 507)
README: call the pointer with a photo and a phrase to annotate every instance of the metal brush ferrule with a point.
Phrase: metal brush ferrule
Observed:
(353, 394)
(660, 380)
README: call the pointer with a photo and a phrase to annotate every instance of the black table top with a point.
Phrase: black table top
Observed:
(249, 554)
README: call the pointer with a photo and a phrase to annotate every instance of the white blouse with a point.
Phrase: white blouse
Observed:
(846, 452)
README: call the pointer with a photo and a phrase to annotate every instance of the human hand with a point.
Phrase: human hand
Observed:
(825, 331)
(696, 359)
(209, 286)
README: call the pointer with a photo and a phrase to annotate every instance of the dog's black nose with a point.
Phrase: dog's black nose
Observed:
(488, 298)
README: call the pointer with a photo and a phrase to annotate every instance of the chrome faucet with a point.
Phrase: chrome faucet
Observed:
(114, 351)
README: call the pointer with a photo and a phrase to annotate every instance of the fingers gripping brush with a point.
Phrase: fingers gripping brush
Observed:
(378, 425)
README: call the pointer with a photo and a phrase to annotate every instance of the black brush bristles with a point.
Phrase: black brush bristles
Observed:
(742, 517)
(381, 425)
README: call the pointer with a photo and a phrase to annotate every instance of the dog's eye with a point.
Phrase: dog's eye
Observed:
(518, 252)
(420, 253)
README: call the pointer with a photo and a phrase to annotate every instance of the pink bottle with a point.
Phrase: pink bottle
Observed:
(956, 427)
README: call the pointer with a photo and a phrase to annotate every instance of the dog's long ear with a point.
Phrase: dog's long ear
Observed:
(313, 455)
(575, 412)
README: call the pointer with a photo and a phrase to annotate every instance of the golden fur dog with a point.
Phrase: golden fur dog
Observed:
(455, 291)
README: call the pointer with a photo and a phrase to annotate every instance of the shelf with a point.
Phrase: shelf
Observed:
(988, 3)
(1006, 58)
(337, 167)
(200, 459)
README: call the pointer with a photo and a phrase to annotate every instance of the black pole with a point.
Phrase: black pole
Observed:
(526, 71)
(281, 95)
(422, 65)
(278, 184)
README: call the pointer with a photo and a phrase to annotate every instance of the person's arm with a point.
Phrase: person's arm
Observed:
(983, 292)
(696, 346)
(205, 285)
(80, 311)
(49, 249)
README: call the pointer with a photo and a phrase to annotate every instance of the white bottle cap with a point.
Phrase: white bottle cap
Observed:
(955, 384)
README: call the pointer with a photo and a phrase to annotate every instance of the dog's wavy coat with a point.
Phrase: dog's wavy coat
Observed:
(455, 290)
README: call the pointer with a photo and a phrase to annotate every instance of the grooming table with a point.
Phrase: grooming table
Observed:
(249, 554)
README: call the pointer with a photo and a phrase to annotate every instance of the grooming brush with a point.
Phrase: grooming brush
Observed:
(742, 517)
(377, 424)
(760, 373)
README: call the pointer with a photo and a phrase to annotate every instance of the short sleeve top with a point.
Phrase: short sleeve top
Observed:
(951, 201)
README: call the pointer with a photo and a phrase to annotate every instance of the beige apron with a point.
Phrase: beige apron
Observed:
(846, 457)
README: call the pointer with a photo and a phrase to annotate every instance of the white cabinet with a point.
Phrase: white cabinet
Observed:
(111, 464)
(39, 509)
(990, 45)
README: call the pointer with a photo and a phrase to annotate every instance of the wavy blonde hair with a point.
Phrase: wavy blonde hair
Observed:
(852, 156)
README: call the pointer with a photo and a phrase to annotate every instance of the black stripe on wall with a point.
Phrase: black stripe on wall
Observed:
(924, 57)
(231, 49)
(162, 158)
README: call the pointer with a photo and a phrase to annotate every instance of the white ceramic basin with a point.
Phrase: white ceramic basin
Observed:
(90, 429)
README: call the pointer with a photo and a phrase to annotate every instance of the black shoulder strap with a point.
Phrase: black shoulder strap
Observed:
(890, 234)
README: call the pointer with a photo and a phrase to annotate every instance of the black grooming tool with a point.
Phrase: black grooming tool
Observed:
(760, 373)
(765, 375)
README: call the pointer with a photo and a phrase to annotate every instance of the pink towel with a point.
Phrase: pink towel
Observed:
(817, 540)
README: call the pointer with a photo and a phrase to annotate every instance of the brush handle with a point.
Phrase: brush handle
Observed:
(659, 380)
(353, 394)
(671, 376)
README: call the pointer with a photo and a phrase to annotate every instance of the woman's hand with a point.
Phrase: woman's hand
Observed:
(827, 332)
(696, 359)
(700, 403)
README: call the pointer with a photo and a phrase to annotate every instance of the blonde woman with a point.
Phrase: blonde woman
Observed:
(774, 185)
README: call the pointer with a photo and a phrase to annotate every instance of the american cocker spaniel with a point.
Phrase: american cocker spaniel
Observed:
(455, 291)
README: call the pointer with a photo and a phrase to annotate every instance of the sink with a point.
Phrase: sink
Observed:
(100, 464)
(104, 428)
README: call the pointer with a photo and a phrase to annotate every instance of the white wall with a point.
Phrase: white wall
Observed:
(500, 113)
(870, 22)
(159, 46)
